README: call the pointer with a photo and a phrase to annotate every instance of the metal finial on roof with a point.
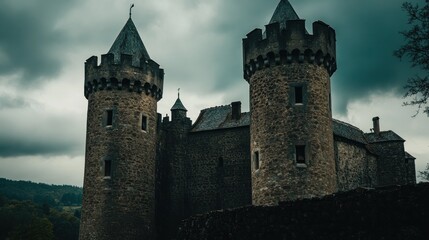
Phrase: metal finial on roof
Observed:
(178, 93)
(132, 5)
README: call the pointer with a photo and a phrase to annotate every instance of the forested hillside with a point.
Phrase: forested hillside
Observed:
(54, 195)
(39, 211)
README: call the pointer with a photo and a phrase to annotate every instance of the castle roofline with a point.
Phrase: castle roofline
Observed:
(384, 136)
(409, 156)
(129, 42)
(348, 131)
(178, 105)
(219, 117)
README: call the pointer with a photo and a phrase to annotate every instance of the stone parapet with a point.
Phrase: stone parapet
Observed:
(291, 45)
(148, 77)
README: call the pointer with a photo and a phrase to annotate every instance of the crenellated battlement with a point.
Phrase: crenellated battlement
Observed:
(148, 77)
(293, 44)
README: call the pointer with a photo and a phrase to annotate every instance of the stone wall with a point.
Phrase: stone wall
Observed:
(121, 205)
(172, 201)
(355, 166)
(219, 171)
(394, 213)
(278, 124)
(392, 168)
(410, 171)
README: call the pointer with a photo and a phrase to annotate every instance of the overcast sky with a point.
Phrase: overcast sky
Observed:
(44, 44)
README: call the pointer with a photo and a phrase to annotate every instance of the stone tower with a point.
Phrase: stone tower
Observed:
(173, 204)
(119, 181)
(289, 72)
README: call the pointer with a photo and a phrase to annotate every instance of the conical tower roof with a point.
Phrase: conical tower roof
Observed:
(284, 12)
(178, 105)
(129, 42)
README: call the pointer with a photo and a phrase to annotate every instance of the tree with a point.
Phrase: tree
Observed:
(424, 175)
(416, 49)
(41, 229)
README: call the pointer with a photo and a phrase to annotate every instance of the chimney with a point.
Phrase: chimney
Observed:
(236, 110)
(376, 124)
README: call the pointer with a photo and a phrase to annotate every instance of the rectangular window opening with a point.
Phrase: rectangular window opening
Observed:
(300, 154)
(299, 95)
(107, 168)
(109, 117)
(256, 160)
(144, 123)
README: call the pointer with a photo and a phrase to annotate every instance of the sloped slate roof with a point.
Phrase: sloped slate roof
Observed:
(384, 136)
(219, 118)
(178, 105)
(348, 131)
(129, 42)
(284, 12)
(409, 156)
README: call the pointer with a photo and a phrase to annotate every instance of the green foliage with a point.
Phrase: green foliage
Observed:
(52, 195)
(29, 220)
(41, 229)
(39, 211)
(416, 49)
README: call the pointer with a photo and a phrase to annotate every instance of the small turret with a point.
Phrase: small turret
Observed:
(178, 111)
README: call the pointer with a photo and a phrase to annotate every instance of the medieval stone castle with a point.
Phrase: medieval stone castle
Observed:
(145, 173)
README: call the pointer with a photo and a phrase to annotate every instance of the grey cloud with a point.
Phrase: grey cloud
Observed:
(366, 39)
(7, 101)
(12, 147)
(367, 35)
(30, 44)
(30, 131)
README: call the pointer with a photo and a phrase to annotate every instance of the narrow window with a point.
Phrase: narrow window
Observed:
(300, 154)
(220, 162)
(107, 168)
(144, 123)
(298, 95)
(256, 160)
(109, 117)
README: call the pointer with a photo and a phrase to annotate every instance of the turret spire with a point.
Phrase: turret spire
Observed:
(178, 105)
(129, 42)
(284, 12)
(178, 111)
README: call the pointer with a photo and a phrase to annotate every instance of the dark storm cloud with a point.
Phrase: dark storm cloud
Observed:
(32, 130)
(30, 44)
(220, 58)
(367, 34)
(12, 147)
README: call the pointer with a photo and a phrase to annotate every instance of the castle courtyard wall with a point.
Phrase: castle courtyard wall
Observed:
(219, 174)
(394, 213)
(392, 168)
(355, 166)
